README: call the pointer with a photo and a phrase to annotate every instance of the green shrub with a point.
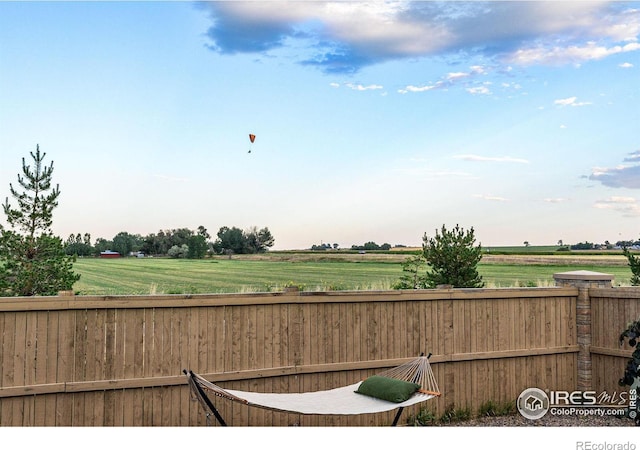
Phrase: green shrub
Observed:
(494, 409)
(452, 415)
(411, 278)
(424, 418)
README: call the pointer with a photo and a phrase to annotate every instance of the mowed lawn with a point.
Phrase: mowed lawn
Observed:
(181, 276)
(143, 276)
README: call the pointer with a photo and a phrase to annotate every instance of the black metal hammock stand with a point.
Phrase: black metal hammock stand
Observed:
(340, 401)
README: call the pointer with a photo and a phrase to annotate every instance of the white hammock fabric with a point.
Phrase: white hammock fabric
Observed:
(339, 401)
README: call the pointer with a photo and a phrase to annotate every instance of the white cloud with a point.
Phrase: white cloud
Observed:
(449, 80)
(360, 87)
(480, 90)
(633, 157)
(491, 158)
(555, 200)
(570, 54)
(345, 36)
(621, 176)
(456, 75)
(570, 101)
(625, 65)
(628, 206)
(412, 88)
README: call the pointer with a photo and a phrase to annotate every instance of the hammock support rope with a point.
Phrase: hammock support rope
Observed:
(339, 401)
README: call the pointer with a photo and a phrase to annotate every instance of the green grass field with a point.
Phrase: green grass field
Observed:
(174, 276)
(143, 276)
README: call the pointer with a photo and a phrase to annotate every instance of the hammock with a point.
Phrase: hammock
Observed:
(339, 401)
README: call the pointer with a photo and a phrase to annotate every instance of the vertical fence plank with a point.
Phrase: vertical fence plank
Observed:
(40, 365)
(165, 365)
(131, 331)
(8, 367)
(20, 367)
(65, 355)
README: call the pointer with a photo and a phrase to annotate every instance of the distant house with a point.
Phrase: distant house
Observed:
(109, 254)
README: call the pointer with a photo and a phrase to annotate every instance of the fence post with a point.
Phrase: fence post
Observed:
(583, 280)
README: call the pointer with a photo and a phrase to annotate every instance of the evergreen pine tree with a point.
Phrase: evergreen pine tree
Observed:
(452, 258)
(32, 260)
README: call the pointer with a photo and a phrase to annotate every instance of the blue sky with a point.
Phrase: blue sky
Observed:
(374, 121)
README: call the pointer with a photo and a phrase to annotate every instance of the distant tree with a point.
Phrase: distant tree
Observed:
(257, 241)
(78, 245)
(179, 236)
(158, 244)
(235, 241)
(560, 242)
(371, 246)
(178, 251)
(32, 259)
(634, 264)
(452, 258)
(150, 245)
(265, 240)
(197, 247)
(163, 242)
(230, 240)
(125, 243)
(202, 231)
(582, 246)
(526, 243)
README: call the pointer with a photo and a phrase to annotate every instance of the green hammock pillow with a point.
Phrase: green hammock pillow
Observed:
(389, 389)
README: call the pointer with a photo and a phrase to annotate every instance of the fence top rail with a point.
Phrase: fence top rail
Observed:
(70, 302)
(618, 292)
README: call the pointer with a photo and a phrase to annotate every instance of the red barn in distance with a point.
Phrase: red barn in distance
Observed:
(109, 254)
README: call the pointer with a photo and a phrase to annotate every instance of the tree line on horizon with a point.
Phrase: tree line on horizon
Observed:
(370, 245)
(175, 243)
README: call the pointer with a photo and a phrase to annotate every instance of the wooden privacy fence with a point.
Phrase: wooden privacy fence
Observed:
(611, 312)
(118, 361)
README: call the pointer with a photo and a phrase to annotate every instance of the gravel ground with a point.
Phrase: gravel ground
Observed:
(547, 421)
